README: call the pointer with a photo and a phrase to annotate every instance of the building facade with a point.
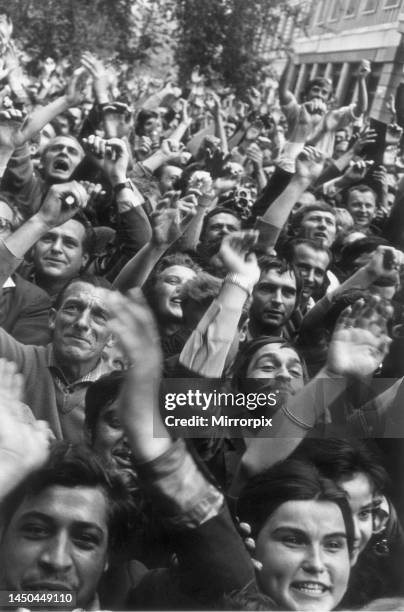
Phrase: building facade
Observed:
(339, 34)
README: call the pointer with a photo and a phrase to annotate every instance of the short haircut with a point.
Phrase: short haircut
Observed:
(101, 393)
(353, 250)
(302, 212)
(89, 236)
(340, 460)
(90, 279)
(291, 480)
(50, 142)
(76, 466)
(281, 265)
(217, 211)
(362, 188)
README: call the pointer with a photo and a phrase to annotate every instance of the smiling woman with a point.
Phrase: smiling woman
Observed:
(304, 533)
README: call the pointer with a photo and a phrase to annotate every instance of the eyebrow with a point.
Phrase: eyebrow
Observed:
(298, 531)
(35, 514)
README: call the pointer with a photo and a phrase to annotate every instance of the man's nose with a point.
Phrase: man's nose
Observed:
(56, 554)
(283, 373)
(277, 296)
(83, 319)
(57, 245)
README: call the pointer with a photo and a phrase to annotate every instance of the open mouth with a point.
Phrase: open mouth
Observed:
(61, 165)
(123, 457)
(312, 589)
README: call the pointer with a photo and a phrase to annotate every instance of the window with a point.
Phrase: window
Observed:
(369, 6)
(337, 10)
(391, 4)
(351, 7)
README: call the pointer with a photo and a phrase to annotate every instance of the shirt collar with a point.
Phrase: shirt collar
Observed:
(100, 369)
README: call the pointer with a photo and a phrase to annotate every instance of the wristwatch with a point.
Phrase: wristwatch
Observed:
(239, 281)
(125, 185)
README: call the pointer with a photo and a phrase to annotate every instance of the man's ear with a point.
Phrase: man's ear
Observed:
(84, 259)
(52, 318)
(106, 566)
(110, 341)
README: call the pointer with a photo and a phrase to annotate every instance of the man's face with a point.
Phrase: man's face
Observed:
(167, 292)
(274, 299)
(59, 253)
(278, 362)
(61, 158)
(319, 225)
(362, 206)
(6, 220)
(109, 440)
(79, 327)
(313, 266)
(319, 91)
(57, 541)
(304, 552)
(221, 225)
(168, 178)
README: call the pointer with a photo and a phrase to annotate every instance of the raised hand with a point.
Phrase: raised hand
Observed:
(24, 442)
(112, 155)
(385, 262)
(235, 253)
(100, 76)
(61, 203)
(309, 163)
(367, 136)
(171, 218)
(360, 341)
(255, 155)
(356, 171)
(75, 88)
(12, 133)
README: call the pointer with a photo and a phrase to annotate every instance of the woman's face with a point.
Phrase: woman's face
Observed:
(362, 503)
(282, 363)
(304, 551)
(167, 292)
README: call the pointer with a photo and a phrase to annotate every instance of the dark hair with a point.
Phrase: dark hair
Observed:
(297, 219)
(101, 393)
(249, 349)
(143, 116)
(49, 144)
(355, 249)
(290, 480)
(89, 236)
(90, 279)
(76, 466)
(281, 265)
(340, 460)
(217, 211)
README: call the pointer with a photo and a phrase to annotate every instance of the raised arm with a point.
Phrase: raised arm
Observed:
(361, 105)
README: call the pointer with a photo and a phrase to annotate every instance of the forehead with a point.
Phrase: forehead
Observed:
(361, 196)
(224, 218)
(70, 229)
(275, 349)
(65, 141)
(312, 215)
(276, 277)
(304, 253)
(360, 490)
(182, 272)
(65, 506)
(316, 518)
(84, 292)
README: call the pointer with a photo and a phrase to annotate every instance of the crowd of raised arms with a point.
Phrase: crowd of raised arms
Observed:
(153, 233)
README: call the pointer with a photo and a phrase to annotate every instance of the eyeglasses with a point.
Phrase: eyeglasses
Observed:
(6, 224)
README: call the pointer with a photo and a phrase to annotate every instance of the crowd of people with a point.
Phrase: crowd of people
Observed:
(154, 235)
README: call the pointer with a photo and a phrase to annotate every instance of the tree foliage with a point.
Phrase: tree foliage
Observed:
(127, 29)
(225, 36)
